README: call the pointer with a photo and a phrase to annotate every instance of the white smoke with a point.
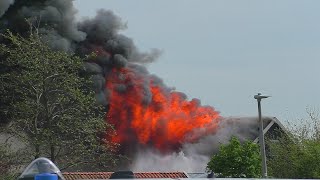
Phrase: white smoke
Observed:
(152, 161)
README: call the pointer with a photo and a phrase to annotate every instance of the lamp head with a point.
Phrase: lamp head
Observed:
(259, 96)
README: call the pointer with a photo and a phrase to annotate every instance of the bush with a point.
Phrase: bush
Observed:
(236, 160)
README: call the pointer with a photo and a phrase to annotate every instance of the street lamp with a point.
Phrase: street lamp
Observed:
(258, 97)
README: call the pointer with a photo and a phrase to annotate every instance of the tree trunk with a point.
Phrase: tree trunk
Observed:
(37, 149)
(52, 156)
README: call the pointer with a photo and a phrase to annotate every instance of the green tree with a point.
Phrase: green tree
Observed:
(296, 154)
(53, 110)
(236, 160)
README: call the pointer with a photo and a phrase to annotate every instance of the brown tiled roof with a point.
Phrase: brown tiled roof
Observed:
(86, 175)
(160, 175)
(106, 175)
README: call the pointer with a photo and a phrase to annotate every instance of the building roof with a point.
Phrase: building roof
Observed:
(269, 122)
(106, 175)
(247, 128)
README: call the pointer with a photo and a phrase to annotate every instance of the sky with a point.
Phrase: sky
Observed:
(223, 52)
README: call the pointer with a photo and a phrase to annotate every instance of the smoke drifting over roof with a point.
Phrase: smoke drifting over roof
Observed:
(193, 157)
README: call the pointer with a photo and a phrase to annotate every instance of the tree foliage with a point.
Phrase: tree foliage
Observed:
(297, 153)
(52, 105)
(236, 160)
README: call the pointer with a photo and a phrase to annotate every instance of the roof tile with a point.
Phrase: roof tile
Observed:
(106, 175)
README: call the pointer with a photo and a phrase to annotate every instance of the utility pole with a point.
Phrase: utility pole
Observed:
(258, 97)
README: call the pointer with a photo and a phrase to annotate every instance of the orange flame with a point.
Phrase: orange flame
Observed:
(165, 121)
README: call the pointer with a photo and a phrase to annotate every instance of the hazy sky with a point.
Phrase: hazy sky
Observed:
(224, 52)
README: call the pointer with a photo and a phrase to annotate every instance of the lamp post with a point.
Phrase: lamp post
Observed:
(258, 97)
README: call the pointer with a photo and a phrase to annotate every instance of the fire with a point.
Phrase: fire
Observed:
(146, 112)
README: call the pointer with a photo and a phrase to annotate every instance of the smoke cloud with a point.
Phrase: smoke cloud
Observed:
(156, 124)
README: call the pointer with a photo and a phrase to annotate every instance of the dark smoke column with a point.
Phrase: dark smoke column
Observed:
(57, 25)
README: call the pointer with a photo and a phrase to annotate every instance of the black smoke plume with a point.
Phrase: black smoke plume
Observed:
(56, 22)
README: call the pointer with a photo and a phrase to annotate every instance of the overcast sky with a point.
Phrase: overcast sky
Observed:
(224, 52)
